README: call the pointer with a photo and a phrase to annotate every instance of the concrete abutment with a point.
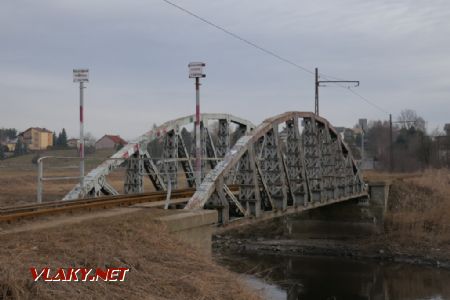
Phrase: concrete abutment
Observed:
(344, 220)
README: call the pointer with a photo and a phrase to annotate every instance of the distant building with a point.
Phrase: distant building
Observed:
(109, 142)
(73, 143)
(37, 138)
(11, 144)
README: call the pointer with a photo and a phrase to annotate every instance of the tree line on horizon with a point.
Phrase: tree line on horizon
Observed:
(413, 148)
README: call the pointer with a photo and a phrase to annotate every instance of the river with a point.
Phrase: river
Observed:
(333, 278)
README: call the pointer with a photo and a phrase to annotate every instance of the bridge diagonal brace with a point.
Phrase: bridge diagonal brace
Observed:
(235, 200)
(107, 189)
(186, 164)
(288, 180)
(264, 185)
(153, 172)
(210, 150)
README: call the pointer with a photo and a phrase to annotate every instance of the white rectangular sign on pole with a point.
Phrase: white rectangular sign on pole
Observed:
(196, 70)
(80, 75)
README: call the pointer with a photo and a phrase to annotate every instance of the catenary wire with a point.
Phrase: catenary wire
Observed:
(270, 52)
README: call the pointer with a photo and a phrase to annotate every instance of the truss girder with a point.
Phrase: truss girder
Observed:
(223, 138)
(134, 181)
(295, 163)
(169, 166)
(96, 185)
(272, 168)
(299, 165)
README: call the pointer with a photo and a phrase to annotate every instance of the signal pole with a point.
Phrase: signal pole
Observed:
(81, 76)
(196, 71)
(317, 85)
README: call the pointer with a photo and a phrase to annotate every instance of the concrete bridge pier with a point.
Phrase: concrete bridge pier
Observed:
(354, 218)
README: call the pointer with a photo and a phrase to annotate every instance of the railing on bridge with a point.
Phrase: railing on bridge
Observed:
(67, 171)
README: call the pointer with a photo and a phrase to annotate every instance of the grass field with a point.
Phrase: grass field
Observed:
(419, 210)
(18, 176)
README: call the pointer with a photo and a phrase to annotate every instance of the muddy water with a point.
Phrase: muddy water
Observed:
(284, 277)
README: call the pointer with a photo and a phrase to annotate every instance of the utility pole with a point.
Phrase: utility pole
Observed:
(81, 76)
(317, 85)
(196, 71)
(363, 125)
(316, 106)
(391, 147)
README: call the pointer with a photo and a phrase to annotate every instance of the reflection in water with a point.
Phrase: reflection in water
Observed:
(312, 277)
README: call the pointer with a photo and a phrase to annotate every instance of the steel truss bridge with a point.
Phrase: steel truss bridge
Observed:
(290, 162)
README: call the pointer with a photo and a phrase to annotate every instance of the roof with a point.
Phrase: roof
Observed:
(115, 138)
(37, 129)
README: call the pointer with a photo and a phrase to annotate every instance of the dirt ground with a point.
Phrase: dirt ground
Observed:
(161, 267)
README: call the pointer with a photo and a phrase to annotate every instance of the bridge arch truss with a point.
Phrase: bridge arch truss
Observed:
(293, 160)
(174, 155)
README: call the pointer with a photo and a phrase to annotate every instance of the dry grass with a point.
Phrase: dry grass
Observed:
(18, 177)
(373, 175)
(161, 267)
(419, 210)
(18, 186)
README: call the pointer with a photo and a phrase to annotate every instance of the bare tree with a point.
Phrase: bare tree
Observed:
(408, 118)
(89, 139)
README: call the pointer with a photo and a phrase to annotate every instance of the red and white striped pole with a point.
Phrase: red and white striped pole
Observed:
(198, 150)
(196, 71)
(81, 138)
(81, 76)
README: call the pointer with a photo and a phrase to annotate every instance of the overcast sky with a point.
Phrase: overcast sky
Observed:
(137, 52)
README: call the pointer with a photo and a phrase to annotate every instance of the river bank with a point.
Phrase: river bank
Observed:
(416, 228)
(357, 249)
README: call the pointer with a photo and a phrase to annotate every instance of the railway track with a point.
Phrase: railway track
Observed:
(15, 213)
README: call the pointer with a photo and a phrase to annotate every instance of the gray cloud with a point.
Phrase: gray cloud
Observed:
(138, 52)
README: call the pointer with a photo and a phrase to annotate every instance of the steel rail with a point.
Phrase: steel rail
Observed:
(13, 213)
(50, 208)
